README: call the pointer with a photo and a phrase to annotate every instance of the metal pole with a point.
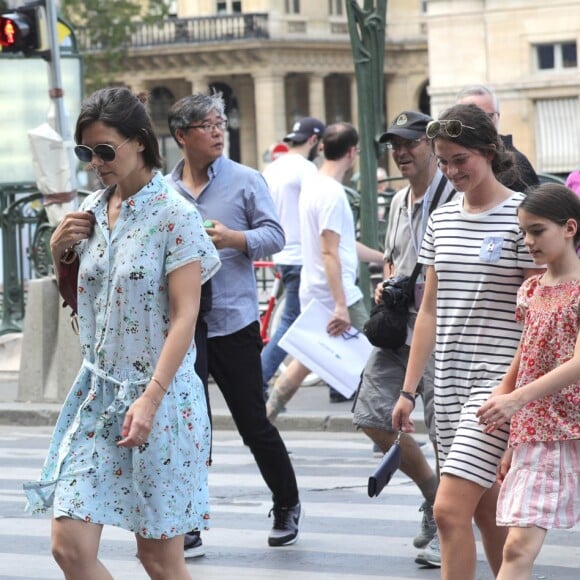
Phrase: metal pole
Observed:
(56, 91)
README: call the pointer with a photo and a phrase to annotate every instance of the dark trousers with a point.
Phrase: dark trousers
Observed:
(234, 363)
(201, 369)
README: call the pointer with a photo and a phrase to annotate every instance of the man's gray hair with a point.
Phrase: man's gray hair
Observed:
(478, 90)
(194, 108)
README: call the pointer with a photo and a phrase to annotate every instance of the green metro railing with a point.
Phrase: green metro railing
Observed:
(21, 214)
(25, 248)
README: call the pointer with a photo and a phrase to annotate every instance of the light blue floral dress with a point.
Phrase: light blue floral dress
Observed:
(158, 490)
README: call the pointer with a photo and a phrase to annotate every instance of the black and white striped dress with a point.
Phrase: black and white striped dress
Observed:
(479, 260)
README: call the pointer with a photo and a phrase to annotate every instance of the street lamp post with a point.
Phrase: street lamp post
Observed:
(367, 35)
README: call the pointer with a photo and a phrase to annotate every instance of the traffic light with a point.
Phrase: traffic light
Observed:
(20, 30)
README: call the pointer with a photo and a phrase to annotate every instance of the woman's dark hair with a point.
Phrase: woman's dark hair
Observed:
(483, 137)
(554, 202)
(124, 111)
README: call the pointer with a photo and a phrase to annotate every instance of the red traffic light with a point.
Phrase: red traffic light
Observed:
(9, 31)
(19, 30)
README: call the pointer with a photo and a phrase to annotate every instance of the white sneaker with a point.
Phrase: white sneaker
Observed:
(428, 526)
(431, 555)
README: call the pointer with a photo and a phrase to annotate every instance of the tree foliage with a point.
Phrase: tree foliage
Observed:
(108, 25)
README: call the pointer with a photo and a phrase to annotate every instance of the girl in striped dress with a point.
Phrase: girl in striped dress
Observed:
(540, 393)
(476, 261)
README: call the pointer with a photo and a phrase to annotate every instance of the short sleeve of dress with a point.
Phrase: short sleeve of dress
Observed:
(188, 242)
(525, 293)
(427, 253)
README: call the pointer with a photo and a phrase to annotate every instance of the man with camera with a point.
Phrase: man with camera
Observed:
(384, 373)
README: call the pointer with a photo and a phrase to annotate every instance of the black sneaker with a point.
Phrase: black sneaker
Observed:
(335, 397)
(286, 525)
(192, 545)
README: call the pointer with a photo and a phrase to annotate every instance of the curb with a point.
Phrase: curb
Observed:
(42, 415)
(296, 422)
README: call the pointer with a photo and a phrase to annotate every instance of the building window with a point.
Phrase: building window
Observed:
(335, 7)
(172, 8)
(556, 56)
(292, 6)
(423, 6)
(231, 7)
(557, 144)
(159, 102)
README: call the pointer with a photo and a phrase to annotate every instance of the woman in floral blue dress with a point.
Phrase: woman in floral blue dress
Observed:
(131, 445)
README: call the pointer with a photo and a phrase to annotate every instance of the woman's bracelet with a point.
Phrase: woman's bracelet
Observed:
(154, 401)
(409, 396)
(155, 380)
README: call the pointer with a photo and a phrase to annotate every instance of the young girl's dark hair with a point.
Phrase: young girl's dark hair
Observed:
(554, 202)
(124, 111)
(482, 137)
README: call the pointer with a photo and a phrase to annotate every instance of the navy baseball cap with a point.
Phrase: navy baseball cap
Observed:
(303, 129)
(408, 125)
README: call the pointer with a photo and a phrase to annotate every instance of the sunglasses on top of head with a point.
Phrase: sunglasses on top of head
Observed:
(104, 152)
(451, 128)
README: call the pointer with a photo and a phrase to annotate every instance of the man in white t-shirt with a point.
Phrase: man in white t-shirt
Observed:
(330, 252)
(285, 176)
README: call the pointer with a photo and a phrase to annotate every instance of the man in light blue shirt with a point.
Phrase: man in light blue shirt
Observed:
(244, 227)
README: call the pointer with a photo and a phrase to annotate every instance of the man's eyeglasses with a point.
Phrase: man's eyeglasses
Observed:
(451, 127)
(406, 143)
(104, 151)
(209, 127)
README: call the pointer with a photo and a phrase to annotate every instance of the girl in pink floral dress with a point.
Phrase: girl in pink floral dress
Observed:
(540, 393)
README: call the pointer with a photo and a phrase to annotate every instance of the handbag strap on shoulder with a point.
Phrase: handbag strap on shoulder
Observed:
(437, 196)
(434, 202)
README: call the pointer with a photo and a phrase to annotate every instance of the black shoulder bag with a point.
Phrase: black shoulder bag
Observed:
(387, 325)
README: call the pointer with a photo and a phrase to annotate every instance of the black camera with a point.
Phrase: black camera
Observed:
(397, 293)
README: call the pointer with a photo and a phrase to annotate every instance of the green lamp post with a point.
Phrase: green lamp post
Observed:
(367, 35)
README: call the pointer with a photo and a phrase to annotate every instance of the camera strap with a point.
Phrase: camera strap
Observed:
(438, 192)
(434, 202)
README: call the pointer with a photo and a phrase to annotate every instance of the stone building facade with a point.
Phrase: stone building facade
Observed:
(527, 51)
(275, 61)
(278, 60)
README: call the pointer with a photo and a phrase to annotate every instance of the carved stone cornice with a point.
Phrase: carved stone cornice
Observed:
(218, 59)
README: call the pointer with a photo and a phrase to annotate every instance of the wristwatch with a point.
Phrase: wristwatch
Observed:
(409, 396)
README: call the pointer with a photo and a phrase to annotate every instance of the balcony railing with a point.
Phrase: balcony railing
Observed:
(188, 31)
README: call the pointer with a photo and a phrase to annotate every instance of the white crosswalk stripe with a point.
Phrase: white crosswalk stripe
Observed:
(345, 535)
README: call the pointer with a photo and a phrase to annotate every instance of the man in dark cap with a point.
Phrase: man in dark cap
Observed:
(384, 373)
(285, 177)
